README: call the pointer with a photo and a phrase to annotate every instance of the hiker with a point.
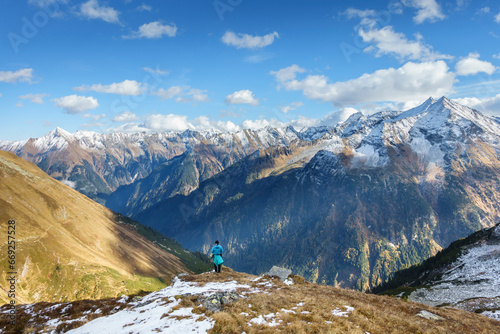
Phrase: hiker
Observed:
(217, 256)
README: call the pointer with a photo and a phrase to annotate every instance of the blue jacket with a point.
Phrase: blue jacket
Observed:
(217, 250)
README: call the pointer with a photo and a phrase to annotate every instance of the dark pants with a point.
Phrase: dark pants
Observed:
(217, 268)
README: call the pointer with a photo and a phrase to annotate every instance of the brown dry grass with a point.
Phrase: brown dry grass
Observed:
(372, 314)
(299, 308)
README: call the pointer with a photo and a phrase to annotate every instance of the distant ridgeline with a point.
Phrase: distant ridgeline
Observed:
(345, 205)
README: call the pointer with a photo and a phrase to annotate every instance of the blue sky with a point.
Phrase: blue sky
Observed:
(144, 65)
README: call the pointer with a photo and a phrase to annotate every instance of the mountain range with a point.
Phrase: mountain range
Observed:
(373, 195)
(66, 247)
(97, 164)
(346, 205)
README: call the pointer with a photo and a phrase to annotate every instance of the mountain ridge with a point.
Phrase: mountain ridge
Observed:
(97, 164)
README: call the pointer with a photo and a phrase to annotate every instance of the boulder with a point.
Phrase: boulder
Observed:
(216, 302)
(429, 315)
(282, 273)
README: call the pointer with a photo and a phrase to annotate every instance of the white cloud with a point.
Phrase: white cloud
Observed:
(388, 42)
(168, 93)
(338, 116)
(287, 73)
(155, 71)
(22, 75)
(92, 10)
(245, 41)
(205, 123)
(34, 98)
(144, 7)
(0, 94)
(94, 118)
(484, 10)
(242, 97)
(179, 123)
(497, 18)
(412, 81)
(303, 122)
(330, 119)
(490, 105)
(126, 87)
(43, 3)
(125, 117)
(428, 10)
(385, 41)
(368, 17)
(76, 104)
(19, 104)
(472, 65)
(193, 95)
(260, 123)
(128, 128)
(154, 30)
(497, 56)
(182, 94)
(291, 106)
(171, 122)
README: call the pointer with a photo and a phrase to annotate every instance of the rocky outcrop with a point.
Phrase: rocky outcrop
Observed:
(282, 273)
(215, 302)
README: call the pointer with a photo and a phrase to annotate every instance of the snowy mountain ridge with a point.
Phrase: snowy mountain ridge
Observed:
(58, 138)
(469, 281)
(432, 130)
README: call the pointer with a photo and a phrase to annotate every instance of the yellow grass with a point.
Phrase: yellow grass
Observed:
(372, 314)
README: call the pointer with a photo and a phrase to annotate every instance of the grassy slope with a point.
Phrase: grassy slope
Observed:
(69, 247)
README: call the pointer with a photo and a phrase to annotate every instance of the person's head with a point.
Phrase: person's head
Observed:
(216, 242)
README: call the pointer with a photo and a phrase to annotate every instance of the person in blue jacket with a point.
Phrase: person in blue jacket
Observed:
(217, 256)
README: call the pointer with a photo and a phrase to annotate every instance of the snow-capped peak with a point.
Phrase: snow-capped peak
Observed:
(59, 132)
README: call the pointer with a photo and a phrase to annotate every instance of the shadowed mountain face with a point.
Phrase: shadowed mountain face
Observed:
(373, 195)
(67, 246)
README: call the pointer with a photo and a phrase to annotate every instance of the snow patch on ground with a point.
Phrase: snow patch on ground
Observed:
(159, 312)
(339, 313)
